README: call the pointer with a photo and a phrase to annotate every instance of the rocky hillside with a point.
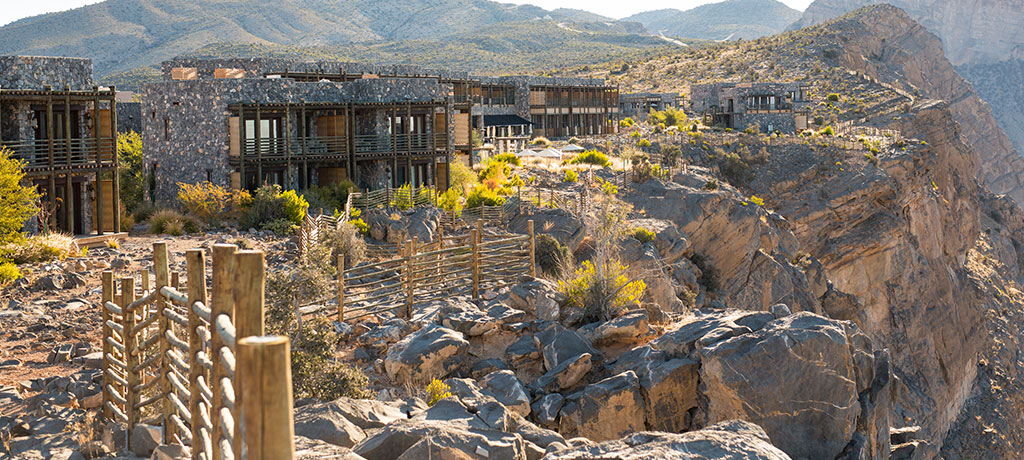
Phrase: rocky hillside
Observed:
(728, 20)
(984, 39)
(122, 35)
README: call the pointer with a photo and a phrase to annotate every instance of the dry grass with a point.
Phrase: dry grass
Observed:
(42, 248)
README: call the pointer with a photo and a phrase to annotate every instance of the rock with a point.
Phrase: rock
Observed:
(559, 223)
(780, 310)
(366, 414)
(93, 360)
(431, 352)
(545, 410)
(624, 329)
(312, 449)
(559, 344)
(670, 392)
(145, 438)
(324, 422)
(466, 319)
(10, 363)
(681, 342)
(538, 296)
(398, 438)
(723, 441)
(170, 452)
(95, 449)
(508, 390)
(612, 408)
(565, 375)
(504, 314)
(487, 366)
(60, 354)
(522, 349)
(795, 378)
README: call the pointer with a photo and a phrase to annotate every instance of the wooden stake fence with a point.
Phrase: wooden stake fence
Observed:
(171, 351)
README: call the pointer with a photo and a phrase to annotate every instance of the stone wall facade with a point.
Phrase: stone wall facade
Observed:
(32, 72)
(714, 100)
(185, 122)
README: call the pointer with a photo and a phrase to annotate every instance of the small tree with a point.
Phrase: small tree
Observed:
(592, 158)
(129, 159)
(17, 202)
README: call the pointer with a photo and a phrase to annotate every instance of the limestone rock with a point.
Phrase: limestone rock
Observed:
(559, 223)
(612, 408)
(566, 374)
(723, 441)
(670, 392)
(558, 344)
(431, 352)
(395, 439)
(624, 329)
(312, 449)
(325, 423)
(508, 390)
(145, 438)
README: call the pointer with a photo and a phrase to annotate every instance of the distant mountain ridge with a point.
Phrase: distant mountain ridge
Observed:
(728, 20)
(122, 35)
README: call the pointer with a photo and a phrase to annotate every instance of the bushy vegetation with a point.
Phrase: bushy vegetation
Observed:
(671, 116)
(211, 203)
(734, 168)
(436, 391)
(483, 196)
(551, 255)
(129, 159)
(40, 248)
(17, 205)
(344, 240)
(330, 197)
(463, 178)
(271, 203)
(509, 158)
(540, 141)
(626, 123)
(670, 154)
(590, 157)
(173, 223)
(604, 293)
(570, 176)
(642, 235)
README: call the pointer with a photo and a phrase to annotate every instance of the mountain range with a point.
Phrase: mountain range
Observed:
(728, 20)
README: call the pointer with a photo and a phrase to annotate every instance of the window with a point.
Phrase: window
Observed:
(228, 73)
(184, 73)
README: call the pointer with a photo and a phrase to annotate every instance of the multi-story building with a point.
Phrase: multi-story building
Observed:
(246, 122)
(640, 104)
(63, 129)
(768, 107)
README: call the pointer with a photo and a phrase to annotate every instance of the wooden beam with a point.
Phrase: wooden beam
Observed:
(241, 149)
(303, 135)
(69, 202)
(115, 202)
(265, 368)
(259, 147)
(195, 268)
(288, 144)
(52, 186)
(98, 216)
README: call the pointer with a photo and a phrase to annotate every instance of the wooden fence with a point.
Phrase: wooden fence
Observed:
(431, 271)
(402, 198)
(187, 358)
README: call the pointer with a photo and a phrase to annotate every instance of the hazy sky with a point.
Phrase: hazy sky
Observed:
(13, 10)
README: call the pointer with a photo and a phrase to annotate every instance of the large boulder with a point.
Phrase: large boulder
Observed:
(538, 296)
(731, 440)
(508, 390)
(325, 423)
(437, 436)
(558, 344)
(565, 375)
(670, 393)
(559, 223)
(797, 377)
(431, 352)
(612, 408)
(626, 329)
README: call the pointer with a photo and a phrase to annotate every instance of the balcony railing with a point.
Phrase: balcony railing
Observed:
(83, 151)
(329, 146)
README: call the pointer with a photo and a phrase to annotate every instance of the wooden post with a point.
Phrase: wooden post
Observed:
(410, 278)
(131, 358)
(195, 263)
(99, 163)
(222, 303)
(341, 287)
(241, 149)
(115, 202)
(107, 280)
(249, 285)
(302, 139)
(474, 241)
(264, 365)
(52, 176)
(69, 201)
(533, 248)
(163, 325)
(259, 147)
(175, 280)
(480, 229)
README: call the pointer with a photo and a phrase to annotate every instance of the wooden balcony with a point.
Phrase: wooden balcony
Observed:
(340, 147)
(76, 154)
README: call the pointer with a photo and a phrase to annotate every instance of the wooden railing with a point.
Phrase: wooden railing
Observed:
(390, 197)
(421, 273)
(271, 148)
(83, 151)
(187, 359)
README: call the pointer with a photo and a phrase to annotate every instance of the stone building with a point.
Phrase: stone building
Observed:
(64, 129)
(640, 104)
(767, 107)
(247, 122)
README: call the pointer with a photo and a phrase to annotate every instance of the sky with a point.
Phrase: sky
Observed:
(13, 10)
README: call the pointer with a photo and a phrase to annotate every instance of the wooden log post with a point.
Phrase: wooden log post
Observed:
(107, 279)
(341, 287)
(176, 280)
(145, 281)
(264, 367)
(160, 267)
(131, 357)
(410, 278)
(195, 267)
(222, 303)
(249, 287)
(533, 248)
(475, 262)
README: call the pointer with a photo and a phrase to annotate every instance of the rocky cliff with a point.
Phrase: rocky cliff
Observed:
(985, 40)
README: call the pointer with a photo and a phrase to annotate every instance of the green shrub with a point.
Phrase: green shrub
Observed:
(828, 131)
(17, 203)
(757, 200)
(143, 211)
(271, 203)
(734, 168)
(211, 203)
(463, 178)
(450, 200)
(39, 248)
(129, 159)
(402, 199)
(344, 240)
(495, 170)
(670, 154)
(711, 184)
(482, 196)
(609, 188)
(602, 296)
(329, 196)
(570, 176)
(671, 116)
(642, 235)
(590, 157)
(551, 255)
(540, 141)
(281, 227)
(516, 181)
(832, 97)
(316, 372)
(9, 273)
(643, 143)
(509, 158)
